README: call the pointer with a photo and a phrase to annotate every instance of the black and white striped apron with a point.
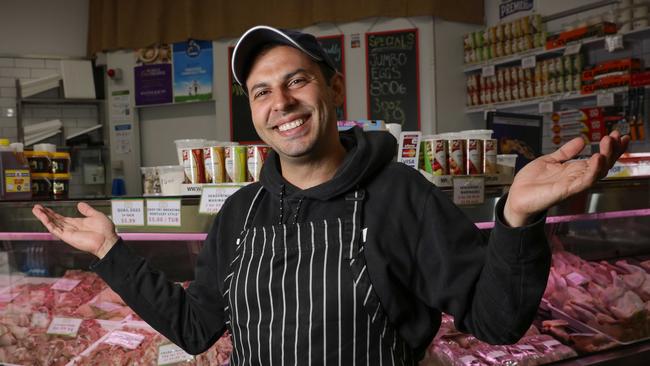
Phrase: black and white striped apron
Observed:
(300, 294)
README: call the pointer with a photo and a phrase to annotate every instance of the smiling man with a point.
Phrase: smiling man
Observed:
(339, 256)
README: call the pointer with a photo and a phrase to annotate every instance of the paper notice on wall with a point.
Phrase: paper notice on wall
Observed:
(122, 138)
(120, 106)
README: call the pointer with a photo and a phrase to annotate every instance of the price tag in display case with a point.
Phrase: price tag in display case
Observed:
(213, 197)
(127, 212)
(469, 190)
(64, 326)
(528, 62)
(605, 99)
(164, 212)
(487, 70)
(546, 107)
(572, 49)
(171, 354)
(614, 42)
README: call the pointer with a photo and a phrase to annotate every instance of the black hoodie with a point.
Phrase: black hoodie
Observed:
(423, 255)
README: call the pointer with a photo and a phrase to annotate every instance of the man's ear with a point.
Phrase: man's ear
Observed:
(338, 88)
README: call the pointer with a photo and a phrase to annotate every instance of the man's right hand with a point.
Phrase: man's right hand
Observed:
(94, 233)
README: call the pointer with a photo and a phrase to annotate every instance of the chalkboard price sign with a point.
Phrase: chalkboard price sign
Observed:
(393, 77)
(241, 122)
(334, 47)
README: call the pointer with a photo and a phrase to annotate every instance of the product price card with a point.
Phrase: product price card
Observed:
(546, 107)
(124, 339)
(469, 190)
(213, 197)
(171, 354)
(605, 99)
(528, 62)
(164, 212)
(487, 71)
(65, 284)
(572, 49)
(128, 212)
(614, 42)
(64, 326)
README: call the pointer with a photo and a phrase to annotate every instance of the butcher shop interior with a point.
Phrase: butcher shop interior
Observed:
(134, 108)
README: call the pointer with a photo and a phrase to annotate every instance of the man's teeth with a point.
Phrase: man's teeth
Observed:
(290, 125)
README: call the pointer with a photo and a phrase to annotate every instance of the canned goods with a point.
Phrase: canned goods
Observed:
(457, 156)
(256, 157)
(474, 156)
(193, 165)
(214, 159)
(236, 165)
(490, 156)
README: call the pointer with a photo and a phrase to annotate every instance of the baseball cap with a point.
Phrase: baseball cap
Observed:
(253, 39)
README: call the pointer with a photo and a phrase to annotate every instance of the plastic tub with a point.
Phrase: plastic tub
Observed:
(150, 181)
(171, 178)
(506, 164)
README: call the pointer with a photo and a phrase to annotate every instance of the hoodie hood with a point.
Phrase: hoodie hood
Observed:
(367, 152)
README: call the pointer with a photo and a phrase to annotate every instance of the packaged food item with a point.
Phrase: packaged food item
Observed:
(60, 185)
(490, 156)
(193, 163)
(39, 161)
(457, 155)
(171, 178)
(474, 156)
(435, 156)
(215, 162)
(15, 180)
(41, 185)
(60, 162)
(236, 163)
(256, 157)
(150, 181)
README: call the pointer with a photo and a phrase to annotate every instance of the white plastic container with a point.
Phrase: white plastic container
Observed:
(171, 178)
(506, 164)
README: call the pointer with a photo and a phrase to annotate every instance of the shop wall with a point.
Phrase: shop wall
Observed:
(43, 27)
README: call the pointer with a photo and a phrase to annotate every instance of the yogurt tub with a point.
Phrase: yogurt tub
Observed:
(506, 164)
(171, 177)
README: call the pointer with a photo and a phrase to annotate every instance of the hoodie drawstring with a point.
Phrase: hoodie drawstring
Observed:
(295, 216)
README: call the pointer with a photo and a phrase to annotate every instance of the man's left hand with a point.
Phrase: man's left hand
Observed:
(551, 178)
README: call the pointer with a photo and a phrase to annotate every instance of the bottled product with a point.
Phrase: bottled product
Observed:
(15, 180)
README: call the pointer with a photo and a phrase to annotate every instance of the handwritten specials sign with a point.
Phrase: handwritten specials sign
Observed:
(392, 78)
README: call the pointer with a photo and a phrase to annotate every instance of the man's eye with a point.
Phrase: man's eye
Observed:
(261, 93)
(297, 81)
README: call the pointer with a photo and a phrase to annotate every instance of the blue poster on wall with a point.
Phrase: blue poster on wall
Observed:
(192, 71)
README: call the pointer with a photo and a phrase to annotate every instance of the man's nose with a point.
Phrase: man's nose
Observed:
(283, 100)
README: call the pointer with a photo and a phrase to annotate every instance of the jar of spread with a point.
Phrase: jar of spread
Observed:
(41, 185)
(60, 163)
(39, 161)
(60, 185)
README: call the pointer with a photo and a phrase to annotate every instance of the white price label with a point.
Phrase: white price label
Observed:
(128, 212)
(572, 49)
(106, 306)
(213, 197)
(469, 190)
(124, 339)
(546, 107)
(487, 70)
(528, 62)
(614, 42)
(164, 212)
(169, 354)
(65, 284)
(605, 99)
(64, 326)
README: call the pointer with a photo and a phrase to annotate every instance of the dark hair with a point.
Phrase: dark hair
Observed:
(325, 69)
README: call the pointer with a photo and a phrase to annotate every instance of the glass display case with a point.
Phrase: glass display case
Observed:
(600, 238)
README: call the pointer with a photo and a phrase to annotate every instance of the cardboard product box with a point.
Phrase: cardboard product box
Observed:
(590, 86)
(596, 30)
(612, 68)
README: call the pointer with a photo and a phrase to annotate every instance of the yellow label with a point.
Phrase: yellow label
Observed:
(17, 181)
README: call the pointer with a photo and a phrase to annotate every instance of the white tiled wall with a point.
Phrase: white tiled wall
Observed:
(74, 118)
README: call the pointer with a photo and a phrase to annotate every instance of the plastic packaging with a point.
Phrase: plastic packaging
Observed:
(171, 178)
